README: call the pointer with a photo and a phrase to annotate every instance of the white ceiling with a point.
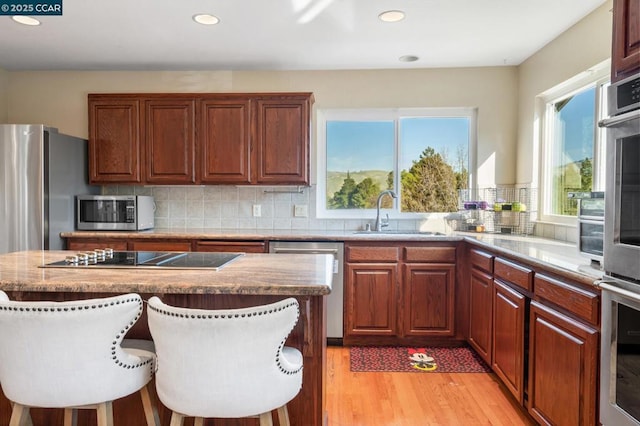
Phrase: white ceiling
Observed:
(285, 34)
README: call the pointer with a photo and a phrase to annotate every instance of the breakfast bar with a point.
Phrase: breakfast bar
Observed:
(251, 279)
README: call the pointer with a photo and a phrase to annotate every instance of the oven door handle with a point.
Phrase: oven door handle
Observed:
(618, 119)
(604, 285)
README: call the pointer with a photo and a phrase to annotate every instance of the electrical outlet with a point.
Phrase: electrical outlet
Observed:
(301, 210)
(257, 210)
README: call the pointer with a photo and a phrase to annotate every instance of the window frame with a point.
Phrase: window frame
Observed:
(385, 114)
(598, 77)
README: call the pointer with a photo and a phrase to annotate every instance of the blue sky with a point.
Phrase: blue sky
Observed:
(361, 145)
(577, 118)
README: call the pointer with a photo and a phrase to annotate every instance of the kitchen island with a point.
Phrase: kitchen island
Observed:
(252, 279)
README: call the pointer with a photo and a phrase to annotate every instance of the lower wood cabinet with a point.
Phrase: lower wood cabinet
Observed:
(428, 300)
(509, 314)
(398, 293)
(481, 313)
(563, 368)
(371, 299)
(153, 245)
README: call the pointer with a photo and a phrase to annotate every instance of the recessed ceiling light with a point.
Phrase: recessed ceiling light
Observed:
(408, 58)
(206, 19)
(391, 16)
(26, 20)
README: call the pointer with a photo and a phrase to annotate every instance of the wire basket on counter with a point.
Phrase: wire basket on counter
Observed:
(495, 210)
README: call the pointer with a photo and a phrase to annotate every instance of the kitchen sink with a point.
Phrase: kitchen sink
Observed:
(425, 233)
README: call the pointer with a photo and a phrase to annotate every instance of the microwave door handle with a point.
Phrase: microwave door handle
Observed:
(619, 291)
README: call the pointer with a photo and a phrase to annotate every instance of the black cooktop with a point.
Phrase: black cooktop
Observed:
(145, 260)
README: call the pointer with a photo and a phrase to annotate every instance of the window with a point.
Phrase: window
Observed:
(573, 145)
(422, 155)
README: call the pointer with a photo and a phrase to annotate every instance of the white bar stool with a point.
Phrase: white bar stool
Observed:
(226, 363)
(69, 355)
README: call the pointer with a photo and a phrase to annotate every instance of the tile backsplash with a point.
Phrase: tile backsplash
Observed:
(231, 207)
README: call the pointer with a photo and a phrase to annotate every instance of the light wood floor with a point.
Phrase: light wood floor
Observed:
(415, 399)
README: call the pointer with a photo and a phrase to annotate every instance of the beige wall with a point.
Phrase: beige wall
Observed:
(4, 107)
(584, 45)
(58, 99)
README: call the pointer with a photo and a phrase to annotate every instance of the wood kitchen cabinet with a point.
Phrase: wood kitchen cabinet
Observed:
(200, 138)
(511, 285)
(231, 246)
(282, 140)
(371, 291)
(224, 129)
(481, 303)
(563, 353)
(508, 338)
(625, 56)
(398, 293)
(428, 287)
(563, 369)
(169, 136)
(115, 143)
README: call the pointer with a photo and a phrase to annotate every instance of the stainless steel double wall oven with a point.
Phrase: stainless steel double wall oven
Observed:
(620, 348)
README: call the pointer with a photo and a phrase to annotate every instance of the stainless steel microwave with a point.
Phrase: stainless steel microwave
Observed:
(114, 212)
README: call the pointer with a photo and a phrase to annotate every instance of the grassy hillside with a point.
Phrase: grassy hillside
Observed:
(335, 179)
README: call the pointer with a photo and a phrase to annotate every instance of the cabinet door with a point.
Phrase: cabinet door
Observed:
(371, 299)
(508, 338)
(282, 141)
(224, 136)
(429, 300)
(114, 141)
(626, 38)
(563, 367)
(170, 141)
(481, 313)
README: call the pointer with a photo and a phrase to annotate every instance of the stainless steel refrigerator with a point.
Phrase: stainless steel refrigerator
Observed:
(41, 171)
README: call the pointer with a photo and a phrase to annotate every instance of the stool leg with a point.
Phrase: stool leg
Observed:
(198, 421)
(265, 419)
(19, 415)
(176, 419)
(150, 413)
(70, 417)
(283, 416)
(105, 414)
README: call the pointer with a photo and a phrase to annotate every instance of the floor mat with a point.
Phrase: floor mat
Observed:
(426, 359)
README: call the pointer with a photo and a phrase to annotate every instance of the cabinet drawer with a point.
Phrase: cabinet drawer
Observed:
(372, 254)
(481, 260)
(120, 245)
(430, 254)
(582, 303)
(152, 245)
(513, 273)
(232, 246)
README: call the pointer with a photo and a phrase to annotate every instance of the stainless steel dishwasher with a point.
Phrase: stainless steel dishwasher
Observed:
(335, 299)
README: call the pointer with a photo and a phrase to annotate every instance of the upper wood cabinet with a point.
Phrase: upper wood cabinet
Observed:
(169, 135)
(114, 140)
(625, 54)
(203, 138)
(224, 129)
(282, 140)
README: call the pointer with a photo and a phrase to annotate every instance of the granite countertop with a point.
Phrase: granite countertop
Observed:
(557, 256)
(264, 274)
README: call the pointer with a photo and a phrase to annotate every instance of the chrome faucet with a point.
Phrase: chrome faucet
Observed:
(381, 223)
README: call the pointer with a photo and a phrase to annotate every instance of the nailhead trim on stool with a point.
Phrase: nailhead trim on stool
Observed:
(244, 315)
